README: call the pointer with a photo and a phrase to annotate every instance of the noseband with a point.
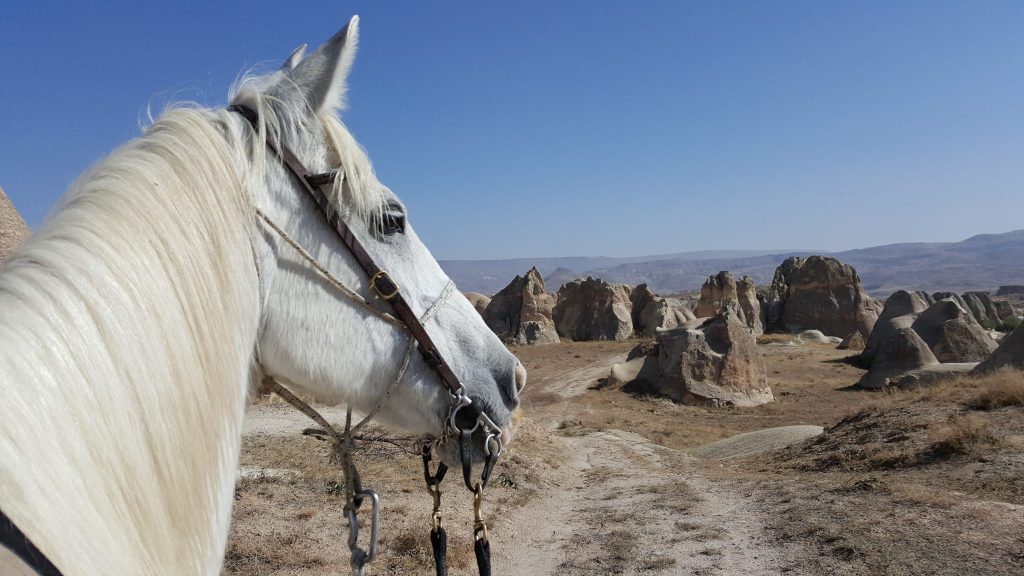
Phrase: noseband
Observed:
(463, 419)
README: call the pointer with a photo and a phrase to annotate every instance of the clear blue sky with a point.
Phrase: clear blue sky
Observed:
(579, 128)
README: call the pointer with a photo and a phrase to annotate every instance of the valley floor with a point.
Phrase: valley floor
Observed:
(599, 481)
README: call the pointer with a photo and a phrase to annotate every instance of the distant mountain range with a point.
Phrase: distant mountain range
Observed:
(981, 262)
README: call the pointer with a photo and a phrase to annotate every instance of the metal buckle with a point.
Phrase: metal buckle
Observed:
(390, 289)
(353, 527)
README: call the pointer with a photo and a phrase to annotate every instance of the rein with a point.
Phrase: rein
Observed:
(463, 420)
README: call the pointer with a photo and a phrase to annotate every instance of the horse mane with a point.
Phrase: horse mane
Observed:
(127, 330)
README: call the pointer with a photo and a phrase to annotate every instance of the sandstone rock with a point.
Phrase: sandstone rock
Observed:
(817, 337)
(715, 363)
(651, 313)
(853, 341)
(721, 292)
(522, 312)
(819, 293)
(981, 306)
(901, 309)
(952, 333)
(1004, 310)
(930, 375)
(1010, 353)
(13, 229)
(478, 300)
(593, 309)
(902, 352)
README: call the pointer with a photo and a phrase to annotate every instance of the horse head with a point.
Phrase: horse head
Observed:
(314, 338)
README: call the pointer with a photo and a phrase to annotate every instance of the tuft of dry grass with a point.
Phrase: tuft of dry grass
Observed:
(776, 339)
(963, 434)
(1000, 390)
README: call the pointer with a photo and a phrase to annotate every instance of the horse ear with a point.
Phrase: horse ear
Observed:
(294, 58)
(321, 76)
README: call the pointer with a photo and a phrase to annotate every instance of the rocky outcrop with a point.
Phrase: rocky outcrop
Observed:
(593, 309)
(1010, 353)
(952, 333)
(852, 341)
(651, 312)
(981, 306)
(817, 337)
(721, 292)
(819, 293)
(901, 353)
(901, 309)
(522, 312)
(1010, 290)
(711, 361)
(13, 229)
(478, 300)
(715, 363)
(1004, 309)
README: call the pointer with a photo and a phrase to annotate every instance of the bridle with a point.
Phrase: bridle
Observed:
(464, 419)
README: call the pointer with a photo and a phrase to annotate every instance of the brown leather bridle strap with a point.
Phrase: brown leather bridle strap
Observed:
(380, 281)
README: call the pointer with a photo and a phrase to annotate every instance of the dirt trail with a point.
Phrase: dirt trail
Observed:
(622, 505)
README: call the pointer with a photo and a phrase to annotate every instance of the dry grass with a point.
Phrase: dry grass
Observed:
(963, 434)
(776, 339)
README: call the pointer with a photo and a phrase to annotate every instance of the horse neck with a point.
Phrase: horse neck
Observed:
(126, 328)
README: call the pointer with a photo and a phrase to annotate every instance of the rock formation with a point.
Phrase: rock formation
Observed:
(522, 312)
(478, 300)
(901, 353)
(1004, 309)
(819, 293)
(852, 341)
(651, 313)
(13, 230)
(721, 292)
(1010, 290)
(593, 309)
(981, 306)
(900, 311)
(952, 333)
(715, 363)
(1010, 353)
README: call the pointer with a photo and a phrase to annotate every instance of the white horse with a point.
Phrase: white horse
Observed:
(135, 324)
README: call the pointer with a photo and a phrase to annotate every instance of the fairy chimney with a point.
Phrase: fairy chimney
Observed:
(13, 230)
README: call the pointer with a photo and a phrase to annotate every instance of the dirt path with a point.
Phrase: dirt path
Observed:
(622, 505)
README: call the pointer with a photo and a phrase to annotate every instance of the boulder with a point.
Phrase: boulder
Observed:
(478, 300)
(1010, 353)
(721, 292)
(901, 353)
(13, 229)
(852, 341)
(819, 293)
(593, 309)
(952, 333)
(901, 309)
(522, 312)
(715, 363)
(651, 312)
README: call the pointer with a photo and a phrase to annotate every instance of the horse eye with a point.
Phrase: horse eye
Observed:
(391, 224)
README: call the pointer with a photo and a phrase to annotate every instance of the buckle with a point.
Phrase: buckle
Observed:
(383, 285)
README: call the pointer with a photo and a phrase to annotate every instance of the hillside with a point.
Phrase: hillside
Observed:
(981, 262)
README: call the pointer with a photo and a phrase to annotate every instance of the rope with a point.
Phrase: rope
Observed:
(327, 274)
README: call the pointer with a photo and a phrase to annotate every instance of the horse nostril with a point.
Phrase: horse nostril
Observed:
(520, 377)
